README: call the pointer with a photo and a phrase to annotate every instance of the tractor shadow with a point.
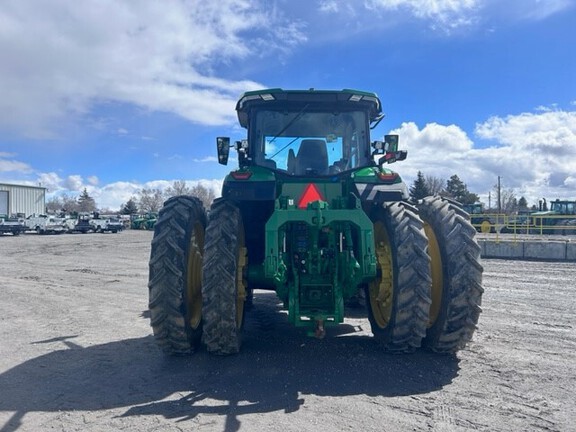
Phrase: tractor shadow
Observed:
(278, 366)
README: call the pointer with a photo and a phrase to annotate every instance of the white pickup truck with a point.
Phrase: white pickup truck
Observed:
(44, 224)
(107, 224)
(12, 225)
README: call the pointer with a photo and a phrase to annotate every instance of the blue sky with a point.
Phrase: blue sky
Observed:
(115, 96)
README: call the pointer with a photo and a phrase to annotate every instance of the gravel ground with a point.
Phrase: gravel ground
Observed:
(76, 354)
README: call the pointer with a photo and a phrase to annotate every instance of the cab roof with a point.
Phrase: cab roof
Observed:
(312, 99)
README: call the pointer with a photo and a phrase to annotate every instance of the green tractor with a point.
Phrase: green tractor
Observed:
(313, 214)
(144, 222)
(560, 219)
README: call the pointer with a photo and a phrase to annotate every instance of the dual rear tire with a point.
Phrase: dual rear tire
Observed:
(175, 275)
(196, 282)
(429, 285)
(427, 291)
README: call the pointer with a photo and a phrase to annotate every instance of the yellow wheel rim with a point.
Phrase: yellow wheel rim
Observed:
(194, 276)
(242, 262)
(436, 273)
(485, 227)
(381, 289)
(240, 281)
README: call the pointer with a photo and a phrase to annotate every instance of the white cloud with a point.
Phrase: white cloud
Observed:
(114, 195)
(439, 151)
(444, 15)
(537, 10)
(51, 181)
(93, 180)
(7, 166)
(546, 135)
(534, 154)
(74, 183)
(426, 8)
(61, 58)
(434, 138)
(337, 7)
(206, 159)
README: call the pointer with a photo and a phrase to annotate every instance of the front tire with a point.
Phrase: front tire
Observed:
(456, 275)
(399, 297)
(175, 280)
(223, 287)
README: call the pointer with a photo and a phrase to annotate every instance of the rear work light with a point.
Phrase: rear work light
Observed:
(241, 175)
(388, 177)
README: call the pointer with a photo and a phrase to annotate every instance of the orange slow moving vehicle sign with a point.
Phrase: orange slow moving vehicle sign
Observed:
(311, 194)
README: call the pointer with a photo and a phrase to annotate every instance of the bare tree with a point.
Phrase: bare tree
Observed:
(205, 194)
(69, 204)
(434, 184)
(150, 200)
(178, 188)
(54, 205)
(508, 200)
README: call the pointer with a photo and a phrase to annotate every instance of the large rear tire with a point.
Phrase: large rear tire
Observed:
(175, 279)
(224, 287)
(456, 275)
(399, 297)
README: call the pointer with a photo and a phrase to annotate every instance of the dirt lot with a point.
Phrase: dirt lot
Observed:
(77, 354)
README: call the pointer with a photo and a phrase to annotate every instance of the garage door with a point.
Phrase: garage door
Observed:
(3, 202)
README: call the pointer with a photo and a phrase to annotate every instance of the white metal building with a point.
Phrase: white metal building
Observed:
(16, 199)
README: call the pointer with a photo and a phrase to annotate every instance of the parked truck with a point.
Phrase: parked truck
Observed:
(12, 225)
(106, 224)
(46, 224)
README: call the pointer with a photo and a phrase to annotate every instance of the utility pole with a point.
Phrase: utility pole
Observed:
(499, 201)
(489, 200)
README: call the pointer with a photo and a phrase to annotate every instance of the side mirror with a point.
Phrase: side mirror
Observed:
(391, 152)
(391, 143)
(223, 147)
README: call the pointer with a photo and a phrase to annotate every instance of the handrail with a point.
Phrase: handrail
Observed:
(524, 224)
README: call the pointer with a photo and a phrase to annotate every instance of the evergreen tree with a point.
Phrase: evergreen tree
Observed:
(85, 202)
(419, 188)
(457, 189)
(522, 203)
(130, 207)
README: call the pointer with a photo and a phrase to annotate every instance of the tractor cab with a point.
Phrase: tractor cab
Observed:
(563, 207)
(310, 133)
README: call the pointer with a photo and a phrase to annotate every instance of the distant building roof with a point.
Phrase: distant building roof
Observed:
(22, 186)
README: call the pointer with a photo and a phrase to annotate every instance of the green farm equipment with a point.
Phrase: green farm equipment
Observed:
(314, 214)
(144, 222)
(560, 219)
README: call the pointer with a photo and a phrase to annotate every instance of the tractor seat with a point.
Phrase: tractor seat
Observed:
(312, 157)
